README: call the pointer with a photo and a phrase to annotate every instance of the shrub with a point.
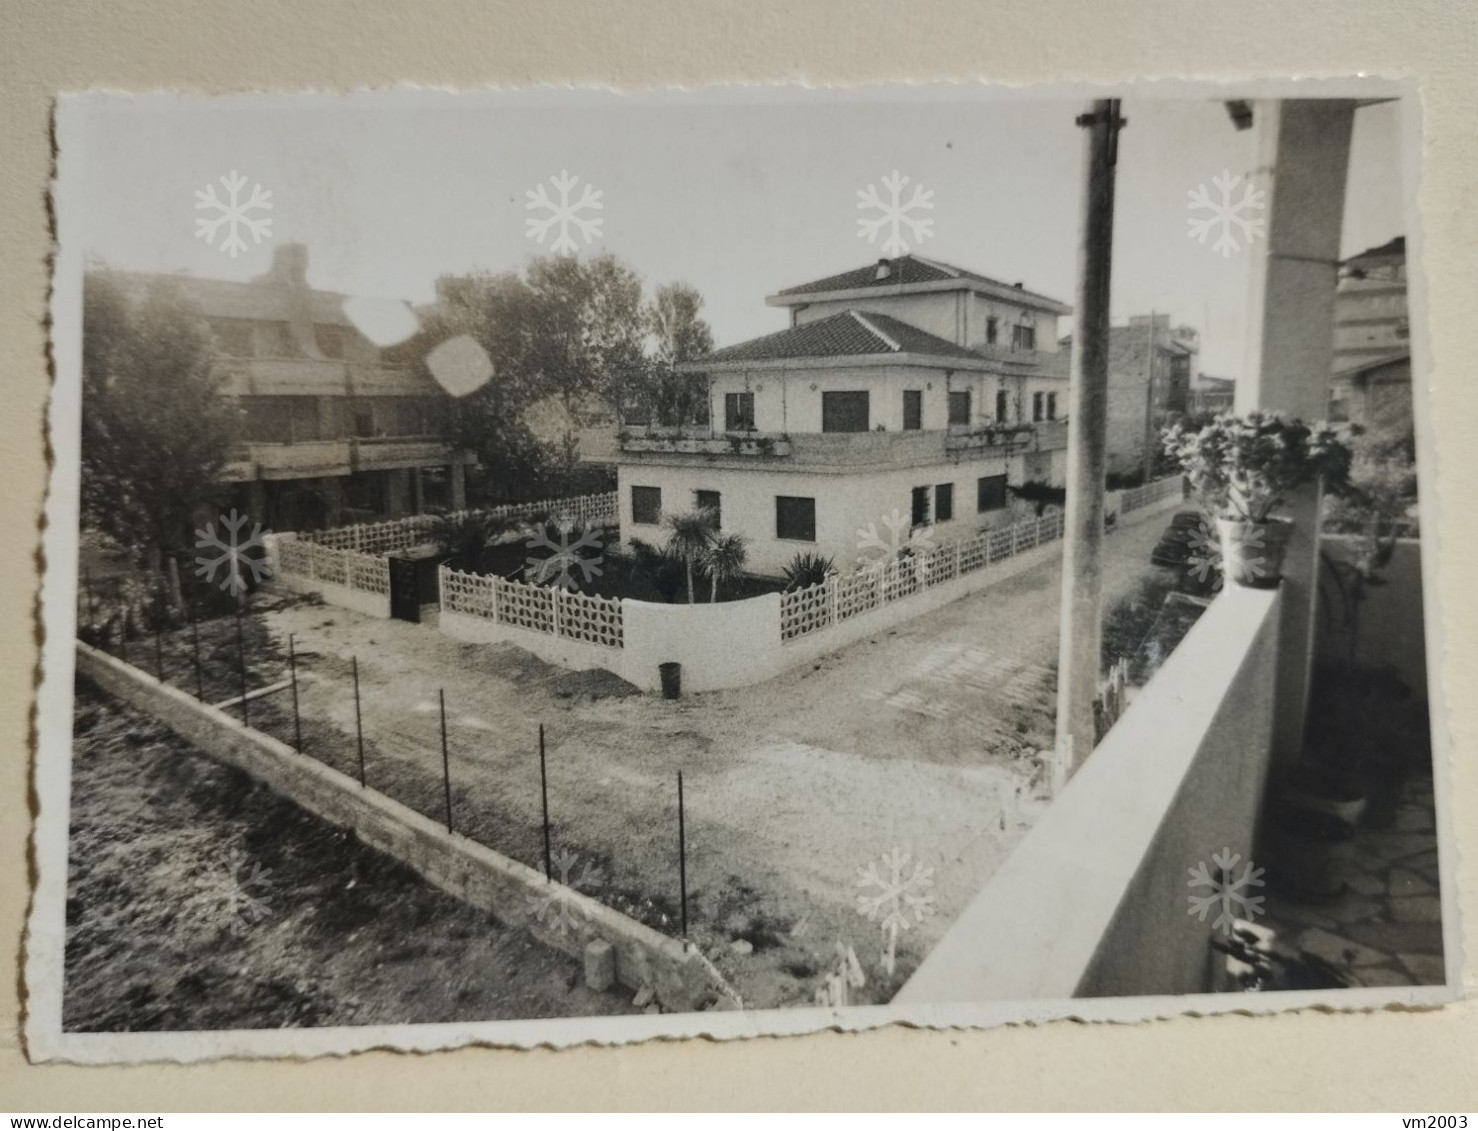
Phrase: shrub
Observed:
(807, 569)
(1244, 467)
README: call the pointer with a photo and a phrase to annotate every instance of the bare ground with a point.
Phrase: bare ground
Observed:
(918, 739)
(197, 899)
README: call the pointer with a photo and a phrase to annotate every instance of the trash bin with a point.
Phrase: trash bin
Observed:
(672, 679)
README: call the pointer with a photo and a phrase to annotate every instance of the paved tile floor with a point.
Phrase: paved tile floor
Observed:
(1387, 927)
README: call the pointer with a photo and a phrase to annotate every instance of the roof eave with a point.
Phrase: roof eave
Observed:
(933, 286)
(915, 360)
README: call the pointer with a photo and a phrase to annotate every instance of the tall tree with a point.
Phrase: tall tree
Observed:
(570, 331)
(155, 428)
(679, 333)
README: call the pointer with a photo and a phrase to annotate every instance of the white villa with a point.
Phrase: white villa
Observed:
(905, 386)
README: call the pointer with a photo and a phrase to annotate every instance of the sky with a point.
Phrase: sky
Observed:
(737, 192)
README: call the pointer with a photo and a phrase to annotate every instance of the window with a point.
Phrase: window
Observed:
(1039, 407)
(709, 501)
(329, 339)
(1003, 406)
(277, 340)
(990, 493)
(1023, 336)
(364, 424)
(921, 506)
(795, 518)
(844, 412)
(646, 505)
(913, 410)
(944, 502)
(959, 407)
(738, 412)
(992, 328)
(233, 337)
(1051, 406)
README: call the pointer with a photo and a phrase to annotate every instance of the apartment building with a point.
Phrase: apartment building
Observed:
(907, 388)
(330, 432)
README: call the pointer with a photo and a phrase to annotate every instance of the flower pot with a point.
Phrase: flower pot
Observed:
(1318, 789)
(1252, 552)
(1311, 853)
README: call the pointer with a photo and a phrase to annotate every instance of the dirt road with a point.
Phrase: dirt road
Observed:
(914, 739)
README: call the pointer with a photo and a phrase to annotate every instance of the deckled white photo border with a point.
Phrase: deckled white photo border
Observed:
(45, 1039)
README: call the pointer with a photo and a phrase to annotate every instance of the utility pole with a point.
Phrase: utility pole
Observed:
(1087, 450)
(1149, 403)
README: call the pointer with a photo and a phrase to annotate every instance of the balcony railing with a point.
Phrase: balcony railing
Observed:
(308, 459)
(1093, 901)
(1005, 437)
(701, 442)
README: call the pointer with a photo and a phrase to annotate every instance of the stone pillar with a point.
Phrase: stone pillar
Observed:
(418, 492)
(1302, 164)
(457, 479)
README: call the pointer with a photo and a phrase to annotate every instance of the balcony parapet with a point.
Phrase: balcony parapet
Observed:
(670, 441)
(1092, 901)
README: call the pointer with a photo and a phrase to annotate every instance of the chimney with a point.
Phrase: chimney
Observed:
(1019, 286)
(289, 276)
(289, 264)
(884, 271)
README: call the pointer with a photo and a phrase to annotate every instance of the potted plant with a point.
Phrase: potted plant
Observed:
(1244, 468)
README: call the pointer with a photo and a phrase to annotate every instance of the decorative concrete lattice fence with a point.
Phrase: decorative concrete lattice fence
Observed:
(348, 578)
(401, 534)
(838, 598)
(535, 608)
(1137, 498)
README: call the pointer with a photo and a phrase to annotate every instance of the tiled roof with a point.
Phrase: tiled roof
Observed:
(848, 334)
(911, 269)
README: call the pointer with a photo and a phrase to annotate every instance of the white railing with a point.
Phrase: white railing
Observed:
(535, 608)
(417, 530)
(1152, 492)
(839, 598)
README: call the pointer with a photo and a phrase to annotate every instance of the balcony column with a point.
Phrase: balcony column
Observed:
(1302, 164)
(418, 492)
(457, 477)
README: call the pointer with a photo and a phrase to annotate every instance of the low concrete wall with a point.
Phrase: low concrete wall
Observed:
(1094, 900)
(468, 870)
(359, 600)
(737, 643)
(1392, 619)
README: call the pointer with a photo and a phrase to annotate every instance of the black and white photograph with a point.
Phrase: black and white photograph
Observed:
(555, 565)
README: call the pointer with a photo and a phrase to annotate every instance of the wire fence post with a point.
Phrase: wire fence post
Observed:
(544, 796)
(195, 644)
(241, 667)
(292, 668)
(158, 647)
(682, 855)
(358, 723)
(446, 765)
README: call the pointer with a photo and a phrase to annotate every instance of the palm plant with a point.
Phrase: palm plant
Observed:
(807, 569)
(724, 559)
(464, 536)
(691, 533)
